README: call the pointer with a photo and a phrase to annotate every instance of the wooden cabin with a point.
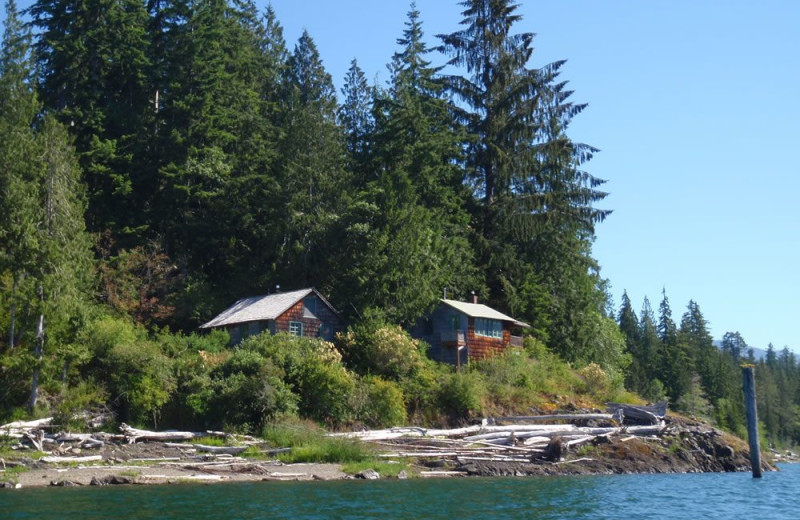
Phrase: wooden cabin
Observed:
(302, 313)
(459, 332)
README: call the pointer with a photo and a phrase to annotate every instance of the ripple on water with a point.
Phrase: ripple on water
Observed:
(692, 496)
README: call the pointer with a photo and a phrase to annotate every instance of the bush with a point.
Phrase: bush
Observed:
(243, 393)
(313, 370)
(139, 376)
(87, 397)
(461, 394)
(379, 403)
(386, 350)
(596, 380)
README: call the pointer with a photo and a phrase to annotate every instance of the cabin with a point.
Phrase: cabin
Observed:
(302, 313)
(459, 332)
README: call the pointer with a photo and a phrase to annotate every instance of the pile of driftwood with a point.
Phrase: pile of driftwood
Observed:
(39, 435)
(519, 438)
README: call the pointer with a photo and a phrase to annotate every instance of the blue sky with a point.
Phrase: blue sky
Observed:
(695, 107)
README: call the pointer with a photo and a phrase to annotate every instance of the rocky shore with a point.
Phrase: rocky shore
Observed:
(682, 446)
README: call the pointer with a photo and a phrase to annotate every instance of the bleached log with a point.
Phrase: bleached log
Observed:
(648, 414)
(645, 430)
(56, 459)
(539, 439)
(443, 473)
(497, 458)
(35, 437)
(134, 434)
(543, 428)
(584, 459)
(580, 440)
(71, 437)
(27, 425)
(155, 459)
(556, 417)
(228, 450)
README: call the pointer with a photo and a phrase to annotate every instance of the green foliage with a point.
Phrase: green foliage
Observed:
(375, 347)
(309, 444)
(139, 374)
(313, 370)
(379, 403)
(462, 394)
(84, 398)
(244, 393)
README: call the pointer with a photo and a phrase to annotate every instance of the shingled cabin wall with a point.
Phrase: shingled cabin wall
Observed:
(481, 347)
(295, 313)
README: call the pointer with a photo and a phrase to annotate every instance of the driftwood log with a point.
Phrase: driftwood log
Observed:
(636, 414)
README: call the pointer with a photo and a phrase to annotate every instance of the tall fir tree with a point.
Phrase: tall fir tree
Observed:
(310, 172)
(410, 215)
(533, 205)
(92, 55)
(356, 118)
(19, 200)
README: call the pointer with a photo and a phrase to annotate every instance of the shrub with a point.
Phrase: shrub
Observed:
(461, 394)
(244, 393)
(86, 397)
(313, 370)
(379, 402)
(596, 380)
(377, 348)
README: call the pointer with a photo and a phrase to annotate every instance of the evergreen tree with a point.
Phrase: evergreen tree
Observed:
(410, 218)
(310, 172)
(18, 189)
(532, 208)
(93, 62)
(357, 120)
(677, 365)
(64, 254)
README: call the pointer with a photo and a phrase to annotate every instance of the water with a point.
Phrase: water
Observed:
(695, 496)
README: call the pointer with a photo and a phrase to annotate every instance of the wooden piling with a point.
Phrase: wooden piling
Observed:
(749, 382)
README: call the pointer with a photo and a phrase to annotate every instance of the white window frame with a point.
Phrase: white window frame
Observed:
(296, 328)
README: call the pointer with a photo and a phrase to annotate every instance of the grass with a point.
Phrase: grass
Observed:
(586, 450)
(213, 441)
(310, 444)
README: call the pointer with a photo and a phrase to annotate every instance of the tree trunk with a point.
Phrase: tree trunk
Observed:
(38, 353)
(13, 311)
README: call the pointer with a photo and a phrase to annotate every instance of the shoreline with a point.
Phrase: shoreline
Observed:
(682, 446)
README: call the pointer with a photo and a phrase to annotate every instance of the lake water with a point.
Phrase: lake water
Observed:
(693, 496)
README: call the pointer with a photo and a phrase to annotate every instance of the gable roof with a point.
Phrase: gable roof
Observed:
(479, 310)
(260, 308)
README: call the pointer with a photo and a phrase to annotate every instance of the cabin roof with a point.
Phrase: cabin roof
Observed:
(259, 308)
(479, 310)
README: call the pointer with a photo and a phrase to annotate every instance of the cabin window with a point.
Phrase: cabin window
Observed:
(455, 322)
(296, 328)
(488, 328)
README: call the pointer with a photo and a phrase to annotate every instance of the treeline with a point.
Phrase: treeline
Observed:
(161, 159)
(682, 364)
(216, 162)
(213, 161)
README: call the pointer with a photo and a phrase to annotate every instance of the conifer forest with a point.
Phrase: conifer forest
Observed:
(161, 159)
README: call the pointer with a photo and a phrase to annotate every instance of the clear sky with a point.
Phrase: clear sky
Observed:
(696, 108)
(695, 105)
